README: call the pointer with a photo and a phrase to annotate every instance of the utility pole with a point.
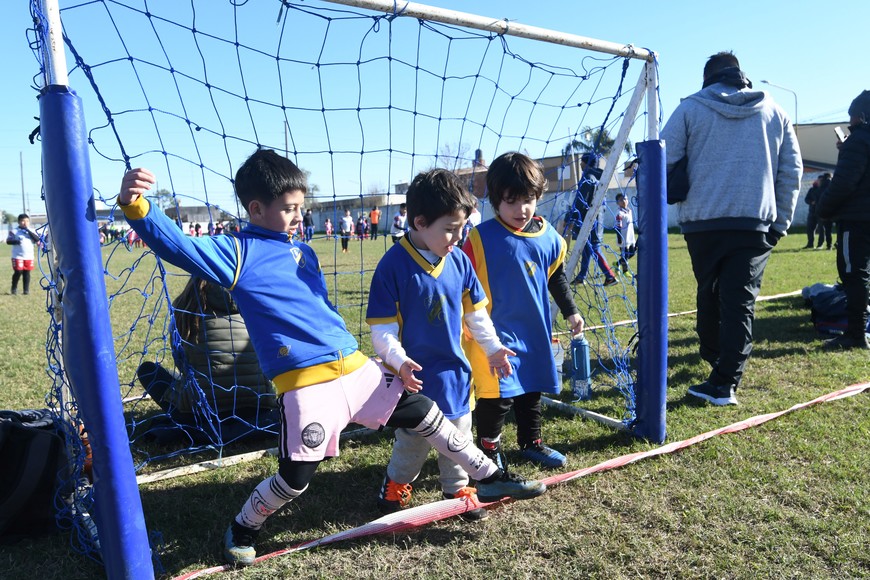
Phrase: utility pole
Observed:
(23, 200)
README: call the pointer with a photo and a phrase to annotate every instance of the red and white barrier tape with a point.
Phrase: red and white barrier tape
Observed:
(439, 510)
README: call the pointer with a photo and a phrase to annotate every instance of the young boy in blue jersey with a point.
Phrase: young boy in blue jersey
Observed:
(322, 380)
(421, 292)
(519, 260)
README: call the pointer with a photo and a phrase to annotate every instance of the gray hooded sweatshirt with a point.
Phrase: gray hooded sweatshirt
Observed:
(744, 162)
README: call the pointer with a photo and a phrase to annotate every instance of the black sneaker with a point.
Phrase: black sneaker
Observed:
(503, 484)
(845, 342)
(716, 394)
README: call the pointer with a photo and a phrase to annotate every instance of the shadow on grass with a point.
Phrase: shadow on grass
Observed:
(343, 499)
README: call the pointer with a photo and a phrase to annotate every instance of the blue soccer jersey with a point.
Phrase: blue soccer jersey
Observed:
(514, 269)
(428, 302)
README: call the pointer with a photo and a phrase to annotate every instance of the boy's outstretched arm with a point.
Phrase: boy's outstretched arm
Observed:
(215, 259)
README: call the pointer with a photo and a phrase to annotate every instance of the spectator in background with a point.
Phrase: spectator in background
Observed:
(811, 199)
(625, 231)
(23, 240)
(400, 223)
(580, 210)
(825, 226)
(345, 228)
(744, 169)
(308, 225)
(375, 218)
(847, 201)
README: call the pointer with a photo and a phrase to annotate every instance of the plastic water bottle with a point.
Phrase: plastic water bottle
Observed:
(581, 382)
(559, 357)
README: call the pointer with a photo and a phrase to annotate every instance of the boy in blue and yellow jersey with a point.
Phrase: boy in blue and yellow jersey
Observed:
(421, 292)
(519, 260)
(322, 380)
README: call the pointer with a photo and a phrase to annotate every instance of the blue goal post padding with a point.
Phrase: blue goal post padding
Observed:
(652, 293)
(88, 350)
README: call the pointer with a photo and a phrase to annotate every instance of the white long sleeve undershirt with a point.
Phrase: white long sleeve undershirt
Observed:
(385, 338)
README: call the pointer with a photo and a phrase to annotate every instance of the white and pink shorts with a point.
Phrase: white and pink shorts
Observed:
(314, 416)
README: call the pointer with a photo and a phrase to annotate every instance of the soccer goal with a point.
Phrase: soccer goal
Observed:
(362, 95)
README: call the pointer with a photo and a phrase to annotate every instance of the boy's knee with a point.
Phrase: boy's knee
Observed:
(410, 411)
(297, 474)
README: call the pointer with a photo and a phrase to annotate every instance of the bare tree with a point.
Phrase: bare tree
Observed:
(164, 198)
(312, 187)
(453, 156)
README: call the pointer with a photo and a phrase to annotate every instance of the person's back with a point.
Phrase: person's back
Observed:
(218, 349)
(744, 161)
(744, 168)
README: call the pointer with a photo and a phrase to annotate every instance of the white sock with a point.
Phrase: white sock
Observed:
(450, 441)
(267, 498)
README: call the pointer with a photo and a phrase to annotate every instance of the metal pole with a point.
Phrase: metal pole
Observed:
(794, 94)
(414, 10)
(23, 201)
(53, 53)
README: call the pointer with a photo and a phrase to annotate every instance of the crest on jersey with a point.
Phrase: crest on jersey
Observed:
(435, 309)
(298, 256)
(531, 268)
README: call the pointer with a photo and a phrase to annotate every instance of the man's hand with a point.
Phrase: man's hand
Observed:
(406, 373)
(575, 324)
(136, 182)
(499, 365)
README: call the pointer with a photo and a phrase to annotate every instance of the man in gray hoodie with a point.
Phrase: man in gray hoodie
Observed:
(744, 169)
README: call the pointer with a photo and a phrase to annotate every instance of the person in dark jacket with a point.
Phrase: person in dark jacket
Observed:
(219, 373)
(847, 202)
(825, 227)
(811, 199)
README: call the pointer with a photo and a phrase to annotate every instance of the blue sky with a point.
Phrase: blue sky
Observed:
(802, 45)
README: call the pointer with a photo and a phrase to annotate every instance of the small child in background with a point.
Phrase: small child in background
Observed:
(625, 232)
(23, 253)
(519, 259)
(421, 292)
(345, 227)
(400, 223)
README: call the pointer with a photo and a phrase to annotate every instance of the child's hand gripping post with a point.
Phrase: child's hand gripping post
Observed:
(137, 182)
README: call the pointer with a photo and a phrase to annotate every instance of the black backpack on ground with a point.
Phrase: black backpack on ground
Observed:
(32, 453)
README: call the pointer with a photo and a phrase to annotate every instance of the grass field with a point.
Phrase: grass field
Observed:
(788, 499)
